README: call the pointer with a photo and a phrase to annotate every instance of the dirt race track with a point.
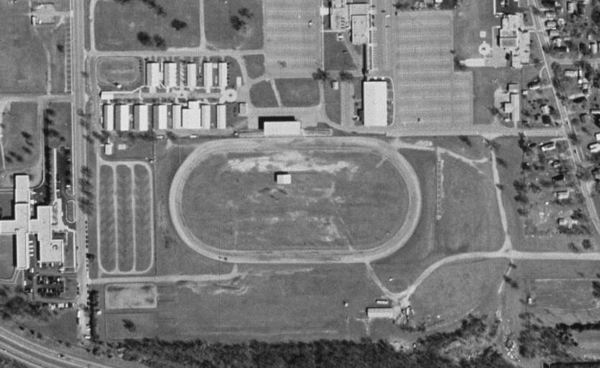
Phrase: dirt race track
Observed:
(292, 256)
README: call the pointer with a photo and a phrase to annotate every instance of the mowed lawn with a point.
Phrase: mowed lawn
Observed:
(124, 71)
(298, 92)
(21, 139)
(220, 19)
(263, 95)
(271, 303)
(22, 60)
(337, 199)
(115, 32)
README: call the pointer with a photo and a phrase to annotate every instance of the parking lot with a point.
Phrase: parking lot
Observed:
(427, 89)
(293, 39)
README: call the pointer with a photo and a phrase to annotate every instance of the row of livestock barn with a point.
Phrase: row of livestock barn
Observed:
(171, 74)
(143, 117)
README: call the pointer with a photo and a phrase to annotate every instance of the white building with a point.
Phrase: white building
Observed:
(283, 178)
(223, 71)
(375, 103)
(108, 117)
(154, 74)
(190, 116)
(380, 313)
(123, 117)
(282, 128)
(206, 116)
(141, 117)
(208, 75)
(171, 78)
(221, 116)
(191, 77)
(176, 116)
(159, 116)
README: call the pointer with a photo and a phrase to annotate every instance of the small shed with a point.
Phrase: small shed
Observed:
(283, 178)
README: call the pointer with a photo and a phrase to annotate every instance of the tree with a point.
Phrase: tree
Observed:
(237, 23)
(246, 13)
(178, 24)
(159, 42)
(346, 76)
(129, 325)
(321, 75)
(586, 244)
(465, 139)
(144, 38)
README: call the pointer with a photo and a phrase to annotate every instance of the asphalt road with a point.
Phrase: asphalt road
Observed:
(298, 256)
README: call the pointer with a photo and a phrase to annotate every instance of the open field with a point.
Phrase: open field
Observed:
(472, 17)
(292, 45)
(270, 303)
(337, 55)
(125, 218)
(7, 261)
(333, 103)
(130, 296)
(263, 95)
(456, 290)
(55, 45)
(335, 189)
(255, 65)
(21, 140)
(124, 71)
(427, 90)
(298, 92)
(58, 124)
(113, 32)
(22, 61)
(219, 24)
(435, 239)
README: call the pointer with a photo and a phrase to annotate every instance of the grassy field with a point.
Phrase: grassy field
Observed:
(455, 290)
(130, 296)
(262, 95)
(22, 61)
(333, 103)
(269, 304)
(298, 92)
(435, 239)
(54, 39)
(470, 217)
(106, 214)
(142, 197)
(6, 256)
(337, 56)
(58, 124)
(472, 17)
(21, 139)
(125, 218)
(113, 32)
(334, 192)
(255, 65)
(472, 147)
(219, 24)
(172, 255)
(126, 71)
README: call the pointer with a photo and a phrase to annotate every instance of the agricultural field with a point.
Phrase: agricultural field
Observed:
(168, 24)
(119, 73)
(21, 141)
(125, 218)
(264, 303)
(296, 92)
(234, 24)
(263, 95)
(23, 60)
(334, 190)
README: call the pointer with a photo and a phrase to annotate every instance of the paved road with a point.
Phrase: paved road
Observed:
(297, 256)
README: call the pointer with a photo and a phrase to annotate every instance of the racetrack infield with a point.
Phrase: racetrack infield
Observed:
(350, 199)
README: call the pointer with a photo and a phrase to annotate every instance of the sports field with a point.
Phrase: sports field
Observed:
(125, 218)
(341, 197)
(22, 60)
(426, 88)
(115, 32)
(293, 39)
(125, 71)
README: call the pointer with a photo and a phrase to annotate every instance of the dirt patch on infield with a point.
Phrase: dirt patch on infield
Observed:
(131, 296)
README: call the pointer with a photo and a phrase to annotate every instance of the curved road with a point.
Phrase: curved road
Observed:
(297, 256)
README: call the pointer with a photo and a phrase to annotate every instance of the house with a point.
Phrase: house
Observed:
(548, 146)
(562, 195)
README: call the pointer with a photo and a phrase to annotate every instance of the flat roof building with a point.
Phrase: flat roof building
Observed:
(283, 178)
(191, 75)
(190, 116)
(223, 72)
(381, 313)
(221, 116)
(154, 75)
(123, 117)
(282, 128)
(171, 78)
(206, 116)
(207, 77)
(176, 116)
(160, 116)
(360, 29)
(108, 117)
(375, 103)
(141, 117)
